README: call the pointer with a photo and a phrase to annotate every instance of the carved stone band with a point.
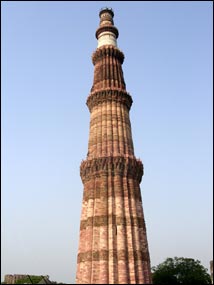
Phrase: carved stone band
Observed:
(98, 221)
(116, 95)
(107, 50)
(113, 254)
(109, 165)
(105, 28)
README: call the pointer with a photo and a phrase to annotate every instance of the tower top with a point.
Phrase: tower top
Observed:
(107, 33)
(106, 10)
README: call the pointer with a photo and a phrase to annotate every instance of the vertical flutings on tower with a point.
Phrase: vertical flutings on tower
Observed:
(113, 246)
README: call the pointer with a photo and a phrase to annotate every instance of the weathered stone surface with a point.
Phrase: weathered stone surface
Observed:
(113, 246)
(104, 220)
(12, 279)
(116, 254)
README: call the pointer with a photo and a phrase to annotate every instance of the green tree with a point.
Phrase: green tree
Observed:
(179, 270)
(32, 280)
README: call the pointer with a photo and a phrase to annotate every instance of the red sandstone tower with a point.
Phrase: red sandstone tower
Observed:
(113, 246)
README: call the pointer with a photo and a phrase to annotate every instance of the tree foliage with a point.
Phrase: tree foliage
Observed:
(180, 270)
(32, 280)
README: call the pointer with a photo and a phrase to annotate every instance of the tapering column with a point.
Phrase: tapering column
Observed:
(113, 246)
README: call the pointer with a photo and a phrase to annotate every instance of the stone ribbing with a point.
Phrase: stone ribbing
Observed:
(119, 255)
(110, 130)
(108, 71)
(113, 247)
(119, 240)
(104, 220)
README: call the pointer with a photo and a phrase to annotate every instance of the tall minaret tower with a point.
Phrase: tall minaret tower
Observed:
(113, 246)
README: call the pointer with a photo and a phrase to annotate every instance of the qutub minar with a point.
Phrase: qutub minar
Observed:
(113, 246)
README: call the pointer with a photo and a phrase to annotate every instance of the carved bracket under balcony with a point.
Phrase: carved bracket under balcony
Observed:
(107, 50)
(116, 95)
(119, 165)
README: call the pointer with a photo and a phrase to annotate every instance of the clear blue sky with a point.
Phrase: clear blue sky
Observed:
(47, 74)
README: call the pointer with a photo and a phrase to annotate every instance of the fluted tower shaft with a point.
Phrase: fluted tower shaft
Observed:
(113, 246)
